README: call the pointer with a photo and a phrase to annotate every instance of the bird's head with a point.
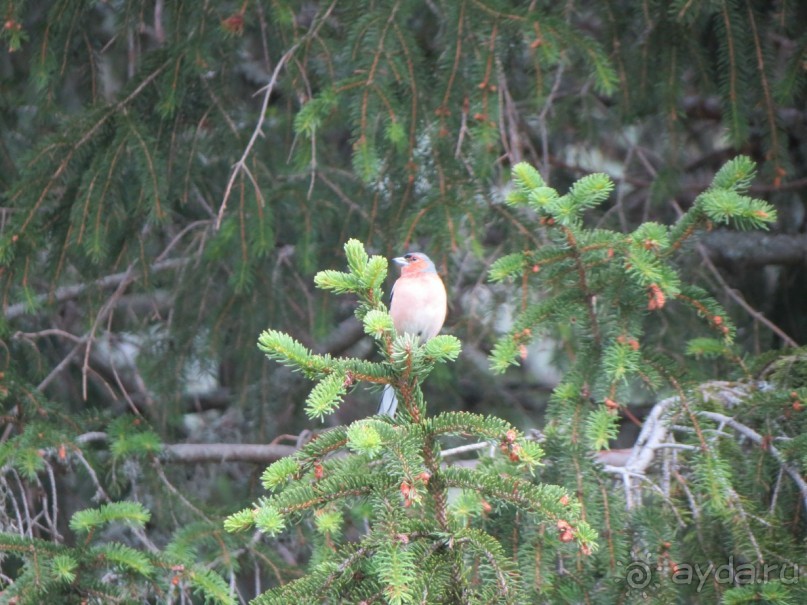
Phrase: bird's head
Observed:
(415, 262)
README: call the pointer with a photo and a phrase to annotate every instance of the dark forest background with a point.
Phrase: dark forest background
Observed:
(174, 174)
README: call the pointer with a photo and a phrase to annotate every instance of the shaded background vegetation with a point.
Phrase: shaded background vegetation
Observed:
(172, 175)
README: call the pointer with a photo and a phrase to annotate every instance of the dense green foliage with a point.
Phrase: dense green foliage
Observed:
(179, 179)
(394, 469)
(659, 532)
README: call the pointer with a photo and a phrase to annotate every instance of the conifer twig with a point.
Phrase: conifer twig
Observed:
(177, 493)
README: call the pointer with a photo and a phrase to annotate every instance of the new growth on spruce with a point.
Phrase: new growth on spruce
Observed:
(101, 570)
(605, 295)
(421, 542)
(604, 283)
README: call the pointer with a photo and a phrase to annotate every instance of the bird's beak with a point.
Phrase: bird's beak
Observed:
(400, 260)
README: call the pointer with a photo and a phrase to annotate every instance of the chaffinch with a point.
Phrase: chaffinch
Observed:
(418, 306)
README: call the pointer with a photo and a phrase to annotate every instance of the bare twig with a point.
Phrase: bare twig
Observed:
(240, 165)
(738, 298)
(542, 122)
(100, 493)
(8, 497)
(102, 314)
(462, 449)
(26, 525)
(158, 468)
(751, 434)
(61, 365)
(54, 516)
(31, 336)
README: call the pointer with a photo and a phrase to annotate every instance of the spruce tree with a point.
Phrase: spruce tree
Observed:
(419, 544)
(173, 175)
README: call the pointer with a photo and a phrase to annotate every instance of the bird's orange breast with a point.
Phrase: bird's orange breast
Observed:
(419, 305)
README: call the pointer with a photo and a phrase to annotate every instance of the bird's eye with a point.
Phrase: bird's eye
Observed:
(408, 256)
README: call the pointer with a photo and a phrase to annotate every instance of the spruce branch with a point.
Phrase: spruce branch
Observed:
(397, 465)
(74, 147)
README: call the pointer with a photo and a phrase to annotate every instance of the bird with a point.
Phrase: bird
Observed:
(418, 306)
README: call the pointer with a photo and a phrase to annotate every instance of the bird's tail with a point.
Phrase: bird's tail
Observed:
(389, 402)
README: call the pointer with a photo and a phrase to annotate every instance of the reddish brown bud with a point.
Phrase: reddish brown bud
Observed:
(656, 298)
(234, 24)
(566, 536)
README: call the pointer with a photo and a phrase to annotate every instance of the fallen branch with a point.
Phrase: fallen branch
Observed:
(75, 290)
(190, 453)
(226, 452)
(655, 433)
(747, 431)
